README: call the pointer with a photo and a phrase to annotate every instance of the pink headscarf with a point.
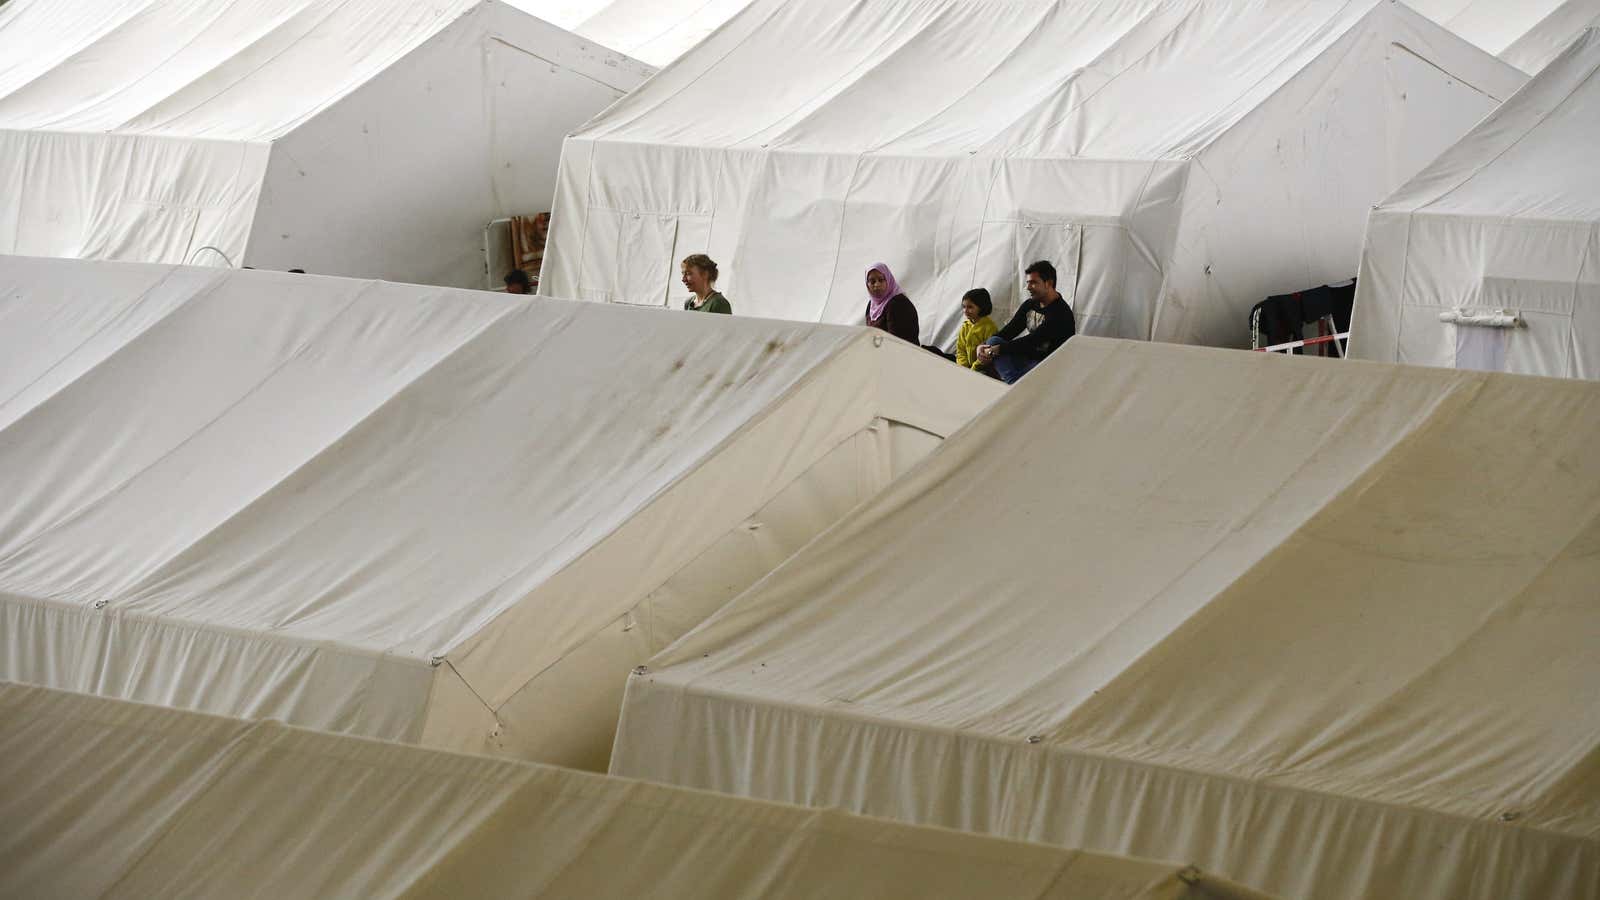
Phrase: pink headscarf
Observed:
(875, 307)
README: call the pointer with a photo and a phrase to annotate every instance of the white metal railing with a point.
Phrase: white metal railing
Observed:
(1340, 342)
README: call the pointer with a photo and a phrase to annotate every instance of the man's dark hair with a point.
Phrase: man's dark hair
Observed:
(981, 299)
(1043, 269)
(517, 276)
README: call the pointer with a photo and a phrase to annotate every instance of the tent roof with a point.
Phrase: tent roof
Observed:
(382, 467)
(1109, 79)
(106, 798)
(1533, 158)
(221, 69)
(1324, 578)
(1525, 33)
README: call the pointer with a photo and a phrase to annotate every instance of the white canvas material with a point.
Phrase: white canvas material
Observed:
(652, 31)
(1525, 33)
(1177, 160)
(424, 514)
(1327, 626)
(105, 798)
(1505, 223)
(372, 138)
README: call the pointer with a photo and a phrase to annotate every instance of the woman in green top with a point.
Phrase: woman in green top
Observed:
(699, 274)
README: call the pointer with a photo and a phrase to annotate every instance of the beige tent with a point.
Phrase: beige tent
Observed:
(106, 798)
(1327, 626)
(421, 514)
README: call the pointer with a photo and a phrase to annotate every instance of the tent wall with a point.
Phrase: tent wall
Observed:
(1419, 266)
(1544, 42)
(371, 138)
(1392, 93)
(127, 196)
(1507, 219)
(111, 799)
(398, 178)
(1081, 132)
(1330, 608)
(978, 222)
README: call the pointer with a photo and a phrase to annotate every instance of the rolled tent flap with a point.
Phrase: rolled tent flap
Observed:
(1219, 602)
(106, 798)
(414, 513)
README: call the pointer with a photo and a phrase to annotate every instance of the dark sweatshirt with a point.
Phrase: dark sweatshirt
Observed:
(899, 319)
(1048, 327)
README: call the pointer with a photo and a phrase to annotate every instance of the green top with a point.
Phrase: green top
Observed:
(715, 303)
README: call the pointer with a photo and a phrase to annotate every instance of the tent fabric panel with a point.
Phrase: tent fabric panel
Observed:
(232, 523)
(1304, 498)
(203, 427)
(543, 718)
(567, 713)
(1271, 837)
(802, 190)
(1525, 33)
(1245, 237)
(138, 658)
(654, 31)
(49, 340)
(1504, 221)
(1182, 525)
(1525, 159)
(727, 484)
(981, 223)
(431, 376)
(242, 71)
(1544, 42)
(497, 89)
(181, 804)
(128, 197)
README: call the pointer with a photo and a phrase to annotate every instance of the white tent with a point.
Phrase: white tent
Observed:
(373, 138)
(106, 798)
(422, 514)
(1525, 33)
(654, 31)
(1490, 257)
(1327, 626)
(1178, 160)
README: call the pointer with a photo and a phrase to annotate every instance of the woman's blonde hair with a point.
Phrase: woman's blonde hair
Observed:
(702, 262)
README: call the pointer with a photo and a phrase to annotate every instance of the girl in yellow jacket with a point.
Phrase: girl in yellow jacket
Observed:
(977, 328)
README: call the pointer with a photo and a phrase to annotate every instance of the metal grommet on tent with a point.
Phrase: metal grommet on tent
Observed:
(877, 340)
(1034, 739)
(1189, 874)
(1510, 815)
(100, 604)
(435, 661)
(641, 670)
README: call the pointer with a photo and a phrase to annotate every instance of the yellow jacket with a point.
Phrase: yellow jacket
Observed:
(972, 336)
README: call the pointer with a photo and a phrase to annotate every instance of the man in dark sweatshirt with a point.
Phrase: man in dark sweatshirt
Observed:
(1044, 315)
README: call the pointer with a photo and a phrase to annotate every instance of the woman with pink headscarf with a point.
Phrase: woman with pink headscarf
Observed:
(888, 308)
